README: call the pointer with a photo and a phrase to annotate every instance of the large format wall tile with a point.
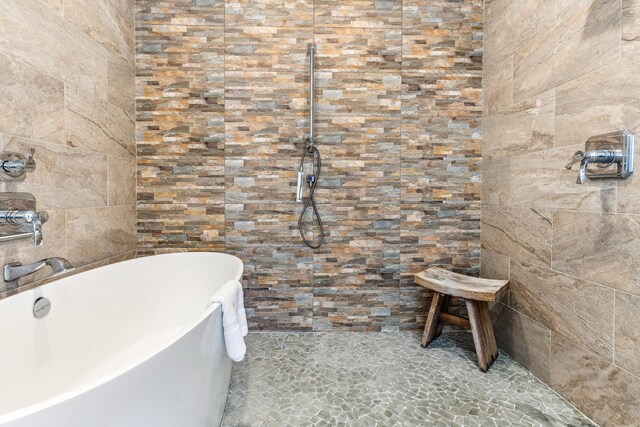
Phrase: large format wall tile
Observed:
(47, 42)
(627, 349)
(521, 233)
(525, 340)
(55, 5)
(56, 83)
(98, 125)
(526, 127)
(608, 394)
(496, 185)
(122, 181)
(580, 310)
(33, 104)
(494, 265)
(583, 42)
(541, 180)
(64, 177)
(121, 79)
(497, 86)
(96, 233)
(598, 247)
(510, 25)
(555, 74)
(108, 23)
(630, 29)
(599, 102)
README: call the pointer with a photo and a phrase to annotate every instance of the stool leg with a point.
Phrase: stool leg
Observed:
(446, 301)
(431, 330)
(482, 330)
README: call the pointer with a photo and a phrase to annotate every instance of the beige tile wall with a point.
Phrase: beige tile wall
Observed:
(67, 90)
(556, 73)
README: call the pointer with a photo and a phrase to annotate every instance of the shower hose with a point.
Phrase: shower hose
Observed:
(312, 180)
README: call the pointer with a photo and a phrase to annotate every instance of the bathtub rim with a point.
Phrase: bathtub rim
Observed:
(52, 401)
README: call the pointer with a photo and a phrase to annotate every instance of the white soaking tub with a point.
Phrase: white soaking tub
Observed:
(136, 344)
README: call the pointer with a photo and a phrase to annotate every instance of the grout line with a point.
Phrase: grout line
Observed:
(613, 332)
(135, 127)
(621, 28)
(109, 182)
(602, 285)
(224, 124)
(553, 221)
(66, 234)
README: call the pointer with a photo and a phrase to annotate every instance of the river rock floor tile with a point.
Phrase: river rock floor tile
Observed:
(384, 379)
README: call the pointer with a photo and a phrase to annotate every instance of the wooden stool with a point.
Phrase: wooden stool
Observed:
(476, 293)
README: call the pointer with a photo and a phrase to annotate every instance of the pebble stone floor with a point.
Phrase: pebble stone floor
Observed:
(384, 379)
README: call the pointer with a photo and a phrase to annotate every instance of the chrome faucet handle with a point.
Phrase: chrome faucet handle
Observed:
(38, 219)
(30, 163)
(22, 218)
(577, 158)
(582, 174)
(14, 166)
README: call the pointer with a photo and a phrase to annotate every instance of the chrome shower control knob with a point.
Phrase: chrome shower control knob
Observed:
(14, 166)
(577, 158)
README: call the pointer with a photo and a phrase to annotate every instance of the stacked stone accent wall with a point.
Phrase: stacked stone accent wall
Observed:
(221, 117)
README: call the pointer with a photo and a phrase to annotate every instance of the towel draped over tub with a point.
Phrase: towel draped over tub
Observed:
(234, 319)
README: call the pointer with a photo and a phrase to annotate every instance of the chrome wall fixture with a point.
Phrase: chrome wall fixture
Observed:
(311, 151)
(19, 218)
(15, 270)
(610, 153)
(14, 166)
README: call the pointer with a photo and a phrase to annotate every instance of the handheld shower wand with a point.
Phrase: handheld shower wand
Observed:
(300, 185)
(312, 179)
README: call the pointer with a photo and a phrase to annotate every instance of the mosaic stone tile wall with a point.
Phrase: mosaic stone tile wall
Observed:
(67, 91)
(555, 74)
(221, 119)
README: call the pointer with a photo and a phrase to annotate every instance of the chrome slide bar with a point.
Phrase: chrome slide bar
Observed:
(312, 57)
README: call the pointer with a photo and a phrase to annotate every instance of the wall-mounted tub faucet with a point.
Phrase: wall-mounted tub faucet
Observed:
(607, 151)
(15, 270)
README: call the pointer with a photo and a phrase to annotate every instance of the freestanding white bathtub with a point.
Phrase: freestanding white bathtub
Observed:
(136, 344)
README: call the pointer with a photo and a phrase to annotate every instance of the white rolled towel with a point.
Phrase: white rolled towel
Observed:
(234, 320)
(240, 312)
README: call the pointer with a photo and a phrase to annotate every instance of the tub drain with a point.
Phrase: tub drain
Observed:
(41, 307)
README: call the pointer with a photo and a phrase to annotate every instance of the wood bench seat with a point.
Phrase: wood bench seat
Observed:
(477, 293)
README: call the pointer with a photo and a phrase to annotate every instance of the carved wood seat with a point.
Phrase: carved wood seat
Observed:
(477, 293)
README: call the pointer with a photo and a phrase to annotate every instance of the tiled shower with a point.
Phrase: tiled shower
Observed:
(222, 115)
(445, 129)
